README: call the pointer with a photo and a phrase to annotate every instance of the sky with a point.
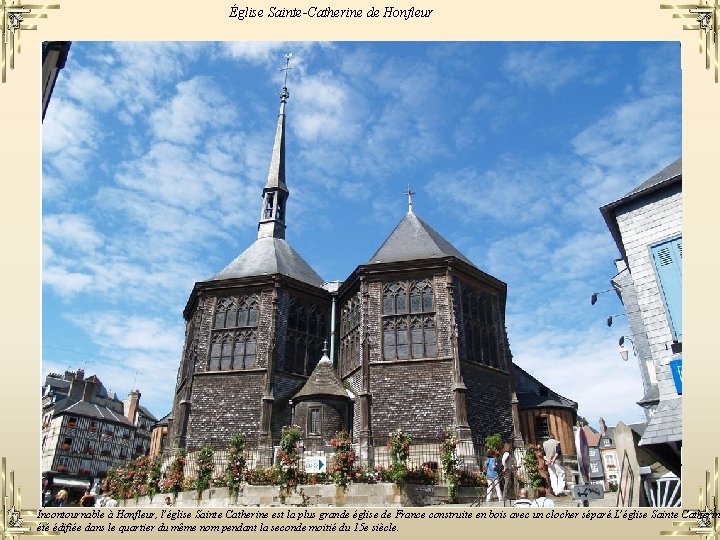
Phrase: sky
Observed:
(155, 156)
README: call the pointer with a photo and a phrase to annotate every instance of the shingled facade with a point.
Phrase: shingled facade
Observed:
(418, 331)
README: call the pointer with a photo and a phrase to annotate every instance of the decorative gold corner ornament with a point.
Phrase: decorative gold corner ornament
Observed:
(11, 523)
(707, 16)
(12, 15)
(704, 521)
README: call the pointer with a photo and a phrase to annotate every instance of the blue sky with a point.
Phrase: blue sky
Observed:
(155, 155)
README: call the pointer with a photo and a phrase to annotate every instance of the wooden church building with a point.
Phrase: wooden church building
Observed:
(417, 341)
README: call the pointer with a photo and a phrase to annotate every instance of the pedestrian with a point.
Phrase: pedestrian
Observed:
(522, 499)
(542, 466)
(541, 500)
(491, 476)
(48, 499)
(506, 449)
(61, 498)
(168, 501)
(555, 471)
(110, 502)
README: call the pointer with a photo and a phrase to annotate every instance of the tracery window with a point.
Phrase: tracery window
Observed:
(409, 329)
(481, 331)
(350, 334)
(306, 333)
(234, 335)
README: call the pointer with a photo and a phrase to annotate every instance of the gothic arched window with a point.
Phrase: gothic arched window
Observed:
(481, 328)
(233, 341)
(306, 333)
(409, 320)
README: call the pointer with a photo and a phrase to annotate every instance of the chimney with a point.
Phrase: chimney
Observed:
(90, 389)
(603, 427)
(77, 386)
(131, 405)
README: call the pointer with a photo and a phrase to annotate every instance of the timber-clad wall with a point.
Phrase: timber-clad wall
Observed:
(487, 400)
(223, 405)
(560, 422)
(415, 396)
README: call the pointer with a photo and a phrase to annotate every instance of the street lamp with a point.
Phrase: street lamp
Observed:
(593, 297)
(611, 317)
(623, 350)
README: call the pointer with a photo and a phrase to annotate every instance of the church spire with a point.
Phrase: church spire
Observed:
(275, 193)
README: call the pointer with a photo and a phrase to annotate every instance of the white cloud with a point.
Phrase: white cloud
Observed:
(90, 89)
(64, 282)
(137, 352)
(257, 52)
(70, 138)
(547, 68)
(324, 110)
(129, 332)
(196, 107)
(71, 231)
(583, 365)
(514, 191)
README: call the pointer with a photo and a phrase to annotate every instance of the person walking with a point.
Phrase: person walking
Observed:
(542, 466)
(491, 475)
(541, 500)
(555, 471)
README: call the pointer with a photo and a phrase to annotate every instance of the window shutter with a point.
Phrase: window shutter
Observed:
(667, 258)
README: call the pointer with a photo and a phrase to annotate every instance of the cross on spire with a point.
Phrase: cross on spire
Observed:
(285, 94)
(409, 194)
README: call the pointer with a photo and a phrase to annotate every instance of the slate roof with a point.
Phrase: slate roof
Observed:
(665, 425)
(323, 381)
(267, 256)
(165, 420)
(91, 410)
(147, 413)
(665, 177)
(414, 239)
(532, 393)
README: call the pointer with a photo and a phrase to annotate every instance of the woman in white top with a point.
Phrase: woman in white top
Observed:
(541, 500)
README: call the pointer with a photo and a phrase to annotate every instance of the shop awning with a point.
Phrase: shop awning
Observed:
(71, 482)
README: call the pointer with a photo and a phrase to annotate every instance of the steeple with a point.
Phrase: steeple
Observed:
(275, 193)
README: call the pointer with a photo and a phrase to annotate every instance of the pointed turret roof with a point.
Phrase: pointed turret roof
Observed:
(267, 256)
(414, 239)
(270, 253)
(323, 381)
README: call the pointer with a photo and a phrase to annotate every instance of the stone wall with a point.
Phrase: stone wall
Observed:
(355, 495)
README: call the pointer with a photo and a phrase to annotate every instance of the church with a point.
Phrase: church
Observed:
(414, 339)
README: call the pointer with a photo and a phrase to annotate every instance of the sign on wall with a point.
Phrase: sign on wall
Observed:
(315, 464)
(676, 369)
